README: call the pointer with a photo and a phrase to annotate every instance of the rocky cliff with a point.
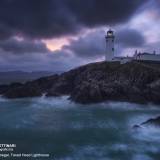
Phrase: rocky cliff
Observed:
(133, 82)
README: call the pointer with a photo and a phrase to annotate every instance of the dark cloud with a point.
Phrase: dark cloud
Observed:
(130, 38)
(157, 3)
(55, 61)
(34, 20)
(51, 18)
(5, 32)
(95, 12)
(22, 46)
(91, 45)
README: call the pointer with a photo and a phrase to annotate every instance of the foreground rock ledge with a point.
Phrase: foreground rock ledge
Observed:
(151, 122)
(133, 82)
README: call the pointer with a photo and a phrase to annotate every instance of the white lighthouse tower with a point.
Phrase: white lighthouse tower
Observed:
(109, 45)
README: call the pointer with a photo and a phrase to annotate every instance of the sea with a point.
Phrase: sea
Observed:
(58, 129)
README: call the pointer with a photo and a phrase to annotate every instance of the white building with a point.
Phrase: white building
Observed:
(109, 45)
(147, 57)
(110, 39)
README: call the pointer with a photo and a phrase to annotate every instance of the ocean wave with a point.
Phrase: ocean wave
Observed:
(148, 133)
(129, 106)
(52, 102)
(2, 99)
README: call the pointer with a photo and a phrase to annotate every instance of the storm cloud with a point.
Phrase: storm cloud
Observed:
(26, 26)
(52, 18)
(130, 38)
(91, 45)
(15, 46)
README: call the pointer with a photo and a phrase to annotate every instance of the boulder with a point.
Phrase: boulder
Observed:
(152, 121)
(87, 92)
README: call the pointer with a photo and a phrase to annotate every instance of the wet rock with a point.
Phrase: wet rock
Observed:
(5, 88)
(136, 127)
(87, 92)
(23, 91)
(30, 89)
(152, 121)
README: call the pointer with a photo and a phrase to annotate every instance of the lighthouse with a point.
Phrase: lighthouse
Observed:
(110, 45)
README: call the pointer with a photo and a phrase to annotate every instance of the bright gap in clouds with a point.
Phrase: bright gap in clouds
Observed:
(56, 44)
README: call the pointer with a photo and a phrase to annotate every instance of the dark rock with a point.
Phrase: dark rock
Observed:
(31, 89)
(23, 91)
(3, 88)
(87, 93)
(136, 127)
(152, 121)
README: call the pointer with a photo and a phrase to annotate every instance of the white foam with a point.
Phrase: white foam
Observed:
(119, 106)
(129, 106)
(141, 157)
(149, 133)
(88, 152)
(2, 99)
(52, 102)
(120, 147)
(94, 124)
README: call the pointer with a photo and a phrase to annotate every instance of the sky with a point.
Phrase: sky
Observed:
(57, 35)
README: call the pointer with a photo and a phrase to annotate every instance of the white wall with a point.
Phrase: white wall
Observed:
(109, 48)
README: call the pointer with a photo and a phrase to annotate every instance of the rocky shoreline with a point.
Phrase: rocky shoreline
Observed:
(97, 82)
